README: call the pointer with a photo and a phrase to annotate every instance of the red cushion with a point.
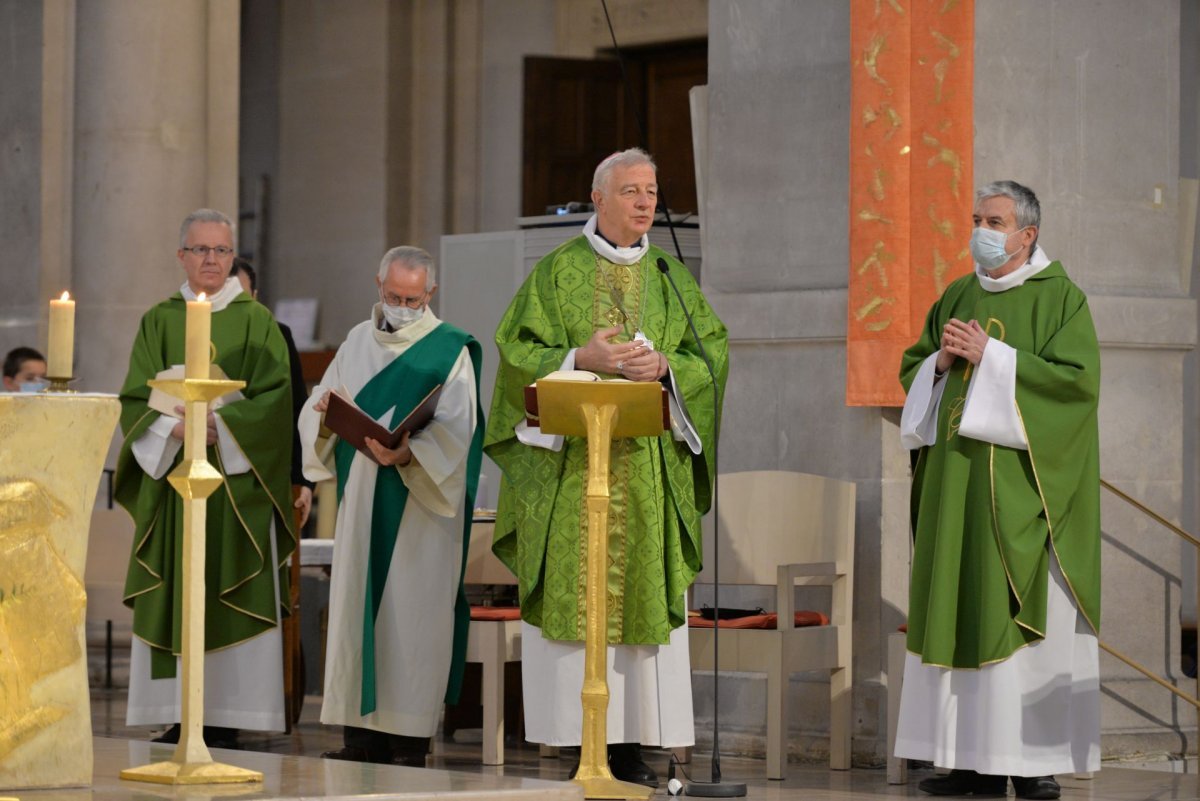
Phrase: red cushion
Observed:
(495, 613)
(766, 621)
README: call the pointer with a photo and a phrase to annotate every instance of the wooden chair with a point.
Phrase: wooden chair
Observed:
(782, 528)
(494, 639)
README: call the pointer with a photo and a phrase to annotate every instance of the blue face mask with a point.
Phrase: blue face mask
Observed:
(33, 386)
(987, 247)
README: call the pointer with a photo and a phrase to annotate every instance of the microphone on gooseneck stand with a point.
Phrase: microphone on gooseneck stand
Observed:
(714, 788)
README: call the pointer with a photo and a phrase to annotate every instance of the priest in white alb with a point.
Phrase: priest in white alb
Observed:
(249, 520)
(1002, 674)
(397, 612)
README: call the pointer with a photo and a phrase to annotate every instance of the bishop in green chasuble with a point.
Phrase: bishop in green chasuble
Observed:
(600, 303)
(1004, 604)
(249, 519)
(660, 488)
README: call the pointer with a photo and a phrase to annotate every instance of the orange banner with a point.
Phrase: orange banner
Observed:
(911, 191)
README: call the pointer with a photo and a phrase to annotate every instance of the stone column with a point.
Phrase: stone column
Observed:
(155, 137)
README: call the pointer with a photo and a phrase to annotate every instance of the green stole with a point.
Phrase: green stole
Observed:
(403, 384)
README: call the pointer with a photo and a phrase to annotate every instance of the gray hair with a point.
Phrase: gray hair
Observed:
(204, 216)
(410, 258)
(632, 157)
(1026, 208)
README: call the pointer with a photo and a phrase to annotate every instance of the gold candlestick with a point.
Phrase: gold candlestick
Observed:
(194, 479)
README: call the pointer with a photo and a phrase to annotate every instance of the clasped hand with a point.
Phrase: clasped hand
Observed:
(210, 434)
(967, 340)
(633, 360)
(401, 455)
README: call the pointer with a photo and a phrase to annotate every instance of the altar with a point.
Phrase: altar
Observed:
(50, 465)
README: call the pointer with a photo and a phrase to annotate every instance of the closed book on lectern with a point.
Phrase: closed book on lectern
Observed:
(354, 425)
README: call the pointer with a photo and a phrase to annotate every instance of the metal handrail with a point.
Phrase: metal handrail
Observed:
(1145, 671)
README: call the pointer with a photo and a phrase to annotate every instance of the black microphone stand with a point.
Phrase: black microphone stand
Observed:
(715, 788)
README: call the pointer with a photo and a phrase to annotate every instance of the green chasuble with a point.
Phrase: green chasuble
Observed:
(240, 579)
(659, 489)
(985, 516)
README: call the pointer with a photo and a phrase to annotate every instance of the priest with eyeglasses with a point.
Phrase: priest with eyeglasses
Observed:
(249, 519)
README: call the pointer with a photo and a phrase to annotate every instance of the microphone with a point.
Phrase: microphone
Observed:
(665, 269)
(714, 788)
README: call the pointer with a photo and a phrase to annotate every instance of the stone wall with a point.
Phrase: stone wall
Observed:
(1082, 104)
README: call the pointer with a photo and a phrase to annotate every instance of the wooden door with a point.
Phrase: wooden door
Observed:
(578, 111)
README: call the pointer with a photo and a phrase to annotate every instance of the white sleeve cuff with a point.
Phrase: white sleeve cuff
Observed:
(532, 435)
(155, 449)
(233, 459)
(990, 412)
(918, 421)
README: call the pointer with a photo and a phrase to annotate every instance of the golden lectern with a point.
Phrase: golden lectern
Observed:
(601, 411)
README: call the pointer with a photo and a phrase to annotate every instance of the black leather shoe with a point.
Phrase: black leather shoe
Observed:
(1039, 787)
(409, 751)
(171, 736)
(625, 762)
(351, 753)
(214, 736)
(220, 737)
(965, 782)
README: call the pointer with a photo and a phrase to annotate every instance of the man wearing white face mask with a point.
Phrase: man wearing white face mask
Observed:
(1002, 675)
(397, 612)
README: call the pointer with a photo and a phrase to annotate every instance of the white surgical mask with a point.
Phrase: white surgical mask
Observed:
(987, 247)
(399, 316)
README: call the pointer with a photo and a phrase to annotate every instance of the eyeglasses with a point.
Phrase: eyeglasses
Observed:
(412, 303)
(221, 252)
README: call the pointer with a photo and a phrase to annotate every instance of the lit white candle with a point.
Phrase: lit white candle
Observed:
(196, 341)
(61, 350)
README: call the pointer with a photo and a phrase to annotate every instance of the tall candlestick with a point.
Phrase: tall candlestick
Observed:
(196, 342)
(61, 350)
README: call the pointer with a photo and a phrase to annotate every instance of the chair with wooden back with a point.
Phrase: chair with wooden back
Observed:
(782, 529)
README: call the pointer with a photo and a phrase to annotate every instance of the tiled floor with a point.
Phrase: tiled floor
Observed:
(809, 783)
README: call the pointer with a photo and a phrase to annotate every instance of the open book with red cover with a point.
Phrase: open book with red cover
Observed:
(354, 425)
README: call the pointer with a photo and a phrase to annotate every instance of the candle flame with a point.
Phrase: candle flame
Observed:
(202, 297)
(65, 295)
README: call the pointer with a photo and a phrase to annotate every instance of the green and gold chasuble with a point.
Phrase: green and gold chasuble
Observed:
(659, 489)
(985, 516)
(239, 577)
